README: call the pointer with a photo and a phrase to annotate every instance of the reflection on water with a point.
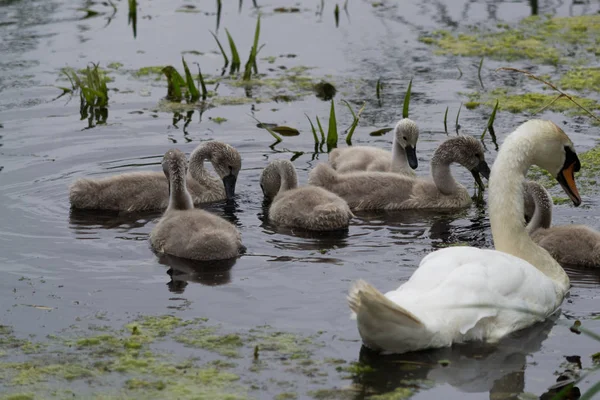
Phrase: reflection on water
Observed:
(498, 369)
(85, 223)
(183, 271)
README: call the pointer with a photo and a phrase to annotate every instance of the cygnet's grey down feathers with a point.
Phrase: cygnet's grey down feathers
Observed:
(392, 191)
(576, 245)
(308, 207)
(144, 191)
(402, 159)
(191, 233)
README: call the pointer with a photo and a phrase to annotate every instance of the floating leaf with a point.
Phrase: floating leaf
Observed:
(265, 126)
(380, 132)
(286, 131)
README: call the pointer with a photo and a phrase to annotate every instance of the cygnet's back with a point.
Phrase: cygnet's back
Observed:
(402, 159)
(149, 190)
(187, 232)
(392, 191)
(576, 245)
(308, 207)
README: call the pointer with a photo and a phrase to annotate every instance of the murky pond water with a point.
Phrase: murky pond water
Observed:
(65, 272)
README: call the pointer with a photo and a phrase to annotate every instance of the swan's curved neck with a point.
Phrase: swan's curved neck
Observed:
(179, 197)
(287, 177)
(399, 160)
(197, 158)
(506, 207)
(441, 174)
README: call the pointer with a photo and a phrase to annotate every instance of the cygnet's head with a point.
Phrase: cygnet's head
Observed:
(276, 173)
(174, 164)
(226, 161)
(555, 153)
(466, 151)
(406, 134)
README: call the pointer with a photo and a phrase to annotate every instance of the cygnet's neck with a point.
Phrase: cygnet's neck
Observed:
(506, 206)
(179, 197)
(197, 158)
(542, 212)
(399, 160)
(440, 170)
(287, 177)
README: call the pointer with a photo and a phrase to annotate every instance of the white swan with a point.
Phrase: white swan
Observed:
(308, 207)
(148, 190)
(402, 159)
(186, 232)
(465, 293)
(569, 244)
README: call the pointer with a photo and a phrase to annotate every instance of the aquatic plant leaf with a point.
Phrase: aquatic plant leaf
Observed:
(191, 86)
(251, 63)
(132, 16)
(490, 125)
(286, 130)
(479, 72)
(175, 82)
(332, 134)
(222, 50)
(324, 90)
(457, 126)
(321, 130)
(235, 57)
(356, 118)
(406, 100)
(219, 6)
(336, 14)
(314, 131)
(271, 131)
(446, 120)
(380, 132)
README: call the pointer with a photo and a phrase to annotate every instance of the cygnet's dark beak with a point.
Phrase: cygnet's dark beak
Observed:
(566, 176)
(229, 183)
(411, 155)
(482, 169)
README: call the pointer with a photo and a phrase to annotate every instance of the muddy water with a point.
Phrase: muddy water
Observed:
(86, 266)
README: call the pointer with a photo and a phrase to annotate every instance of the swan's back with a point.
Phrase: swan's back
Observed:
(135, 191)
(196, 235)
(309, 207)
(312, 208)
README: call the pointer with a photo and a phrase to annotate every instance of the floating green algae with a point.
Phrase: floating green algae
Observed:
(582, 79)
(548, 40)
(532, 102)
(206, 338)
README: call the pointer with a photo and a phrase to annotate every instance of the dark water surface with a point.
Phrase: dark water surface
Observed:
(83, 264)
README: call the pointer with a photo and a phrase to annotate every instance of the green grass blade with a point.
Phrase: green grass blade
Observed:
(235, 57)
(457, 115)
(222, 50)
(479, 72)
(378, 89)
(490, 123)
(446, 120)
(336, 14)
(314, 131)
(321, 130)
(189, 80)
(356, 119)
(202, 85)
(219, 6)
(460, 74)
(251, 63)
(332, 133)
(132, 16)
(406, 100)
(266, 126)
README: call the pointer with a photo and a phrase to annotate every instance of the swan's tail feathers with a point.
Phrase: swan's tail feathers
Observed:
(322, 175)
(364, 299)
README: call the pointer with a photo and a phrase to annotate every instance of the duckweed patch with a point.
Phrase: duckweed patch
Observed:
(547, 40)
(582, 79)
(532, 102)
(127, 362)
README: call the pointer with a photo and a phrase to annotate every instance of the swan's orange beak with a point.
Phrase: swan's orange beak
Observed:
(566, 178)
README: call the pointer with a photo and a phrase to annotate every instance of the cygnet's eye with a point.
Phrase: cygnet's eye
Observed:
(405, 138)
